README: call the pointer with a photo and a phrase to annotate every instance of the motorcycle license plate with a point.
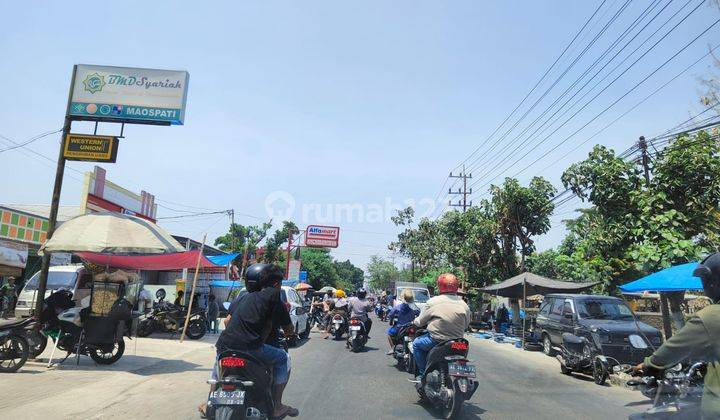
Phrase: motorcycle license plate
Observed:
(408, 339)
(355, 328)
(466, 371)
(221, 397)
(337, 321)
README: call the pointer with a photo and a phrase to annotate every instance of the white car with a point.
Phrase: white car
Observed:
(298, 312)
(64, 277)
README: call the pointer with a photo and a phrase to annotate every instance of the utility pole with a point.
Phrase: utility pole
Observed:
(232, 228)
(664, 307)
(464, 191)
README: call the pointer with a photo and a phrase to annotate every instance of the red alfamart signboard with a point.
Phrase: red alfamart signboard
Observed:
(322, 236)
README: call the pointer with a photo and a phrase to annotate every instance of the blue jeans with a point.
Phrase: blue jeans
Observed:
(421, 346)
(272, 356)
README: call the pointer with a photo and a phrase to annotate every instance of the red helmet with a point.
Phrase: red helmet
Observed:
(447, 283)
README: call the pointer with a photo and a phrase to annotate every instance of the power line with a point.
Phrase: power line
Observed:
(609, 106)
(31, 140)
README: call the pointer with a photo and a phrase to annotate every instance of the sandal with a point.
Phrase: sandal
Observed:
(287, 412)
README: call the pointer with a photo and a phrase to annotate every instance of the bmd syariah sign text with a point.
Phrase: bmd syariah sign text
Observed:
(128, 94)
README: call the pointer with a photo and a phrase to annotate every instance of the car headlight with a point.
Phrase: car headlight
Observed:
(637, 342)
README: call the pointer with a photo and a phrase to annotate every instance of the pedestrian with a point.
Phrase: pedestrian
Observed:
(213, 311)
(7, 297)
(179, 299)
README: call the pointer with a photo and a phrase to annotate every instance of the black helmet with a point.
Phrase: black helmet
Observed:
(260, 276)
(709, 272)
(361, 293)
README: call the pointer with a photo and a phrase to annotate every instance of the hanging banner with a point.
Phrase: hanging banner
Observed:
(90, 148)
(13, 254)
(126, 94)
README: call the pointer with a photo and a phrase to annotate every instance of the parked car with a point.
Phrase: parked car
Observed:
(606, 320)
(420, 293)
(73, 278)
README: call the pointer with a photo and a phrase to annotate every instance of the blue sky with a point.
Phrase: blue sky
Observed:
(335, 103)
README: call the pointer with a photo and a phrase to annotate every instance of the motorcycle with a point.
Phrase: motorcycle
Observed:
(401, 347)
(381, 310)
(168, 318)
(449, 379)
(582, 355)
(14, 346)
(338, 325)
(357, 335)
(243, 389)
(676, 392)
(317, 317)
(101, 338)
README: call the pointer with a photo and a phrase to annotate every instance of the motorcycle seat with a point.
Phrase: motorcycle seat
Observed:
(15, 324)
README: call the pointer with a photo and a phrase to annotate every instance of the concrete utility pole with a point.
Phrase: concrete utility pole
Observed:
(464, 191)
(664, 309)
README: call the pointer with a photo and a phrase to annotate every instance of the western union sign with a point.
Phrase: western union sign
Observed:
(90, 148)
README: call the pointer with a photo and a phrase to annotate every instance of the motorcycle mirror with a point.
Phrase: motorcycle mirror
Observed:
(676, 368)
(637, 341)
(226, 305)
(160, 294)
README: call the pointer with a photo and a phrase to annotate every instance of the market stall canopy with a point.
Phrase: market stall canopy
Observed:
(237, 284)
(161, 262)
(223, 259)
(673, 279)
(111, 233)
(533, 285)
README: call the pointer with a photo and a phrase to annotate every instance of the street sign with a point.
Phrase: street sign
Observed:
(303, 276)
(322, 236)
(126, 94)
(90, 148)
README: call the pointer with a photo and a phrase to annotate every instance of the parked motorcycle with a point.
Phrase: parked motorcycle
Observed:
(357, 335)
(401, 347)
(168, 318)
(338, 326)
(101, 338)
(449, 378)
(14, 346)
(582, 355)
(676, 392)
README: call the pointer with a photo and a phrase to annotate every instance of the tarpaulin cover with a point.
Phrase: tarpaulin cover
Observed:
(227, 283)
(673, 279)
(223, 259)
(174, 261)
(533, 284)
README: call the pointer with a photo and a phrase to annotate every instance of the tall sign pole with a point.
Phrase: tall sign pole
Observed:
(55, 203)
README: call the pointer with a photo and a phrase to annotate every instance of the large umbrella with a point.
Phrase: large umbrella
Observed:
(673, 279)
(111, 233)
(303, 286)
(327, 289)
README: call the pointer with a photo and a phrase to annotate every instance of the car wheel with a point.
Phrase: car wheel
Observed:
(547, 345)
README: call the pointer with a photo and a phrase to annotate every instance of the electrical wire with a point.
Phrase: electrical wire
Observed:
(31, 140)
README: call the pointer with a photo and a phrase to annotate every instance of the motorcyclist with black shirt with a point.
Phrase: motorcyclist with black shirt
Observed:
(253, 321)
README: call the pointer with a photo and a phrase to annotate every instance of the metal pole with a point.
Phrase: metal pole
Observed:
(523, 307)
(55, 202)
(289, 247)
(192, 291)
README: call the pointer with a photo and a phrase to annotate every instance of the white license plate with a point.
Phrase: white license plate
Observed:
(408, 338)
(456, 369)
(337, 321)
(355, 328)
(221, 397)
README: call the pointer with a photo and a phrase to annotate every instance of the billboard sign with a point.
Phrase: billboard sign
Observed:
(322, 236)
(90, 148)
(13, 254)
(126, 94)
(294, 272)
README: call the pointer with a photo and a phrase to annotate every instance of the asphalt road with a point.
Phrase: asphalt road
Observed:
(164, 379)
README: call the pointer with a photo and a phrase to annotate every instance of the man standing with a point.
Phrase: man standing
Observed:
(253, 320)
(446, 317)
(700, 337)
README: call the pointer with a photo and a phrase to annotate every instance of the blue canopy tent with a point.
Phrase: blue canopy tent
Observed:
(223, 259)
(674, 279)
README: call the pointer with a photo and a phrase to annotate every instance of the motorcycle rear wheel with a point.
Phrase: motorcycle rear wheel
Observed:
(37, 343)
(338, 334)
(196, 329)
(454, 409)
(107, 358)
(228, 412)
(14, 352)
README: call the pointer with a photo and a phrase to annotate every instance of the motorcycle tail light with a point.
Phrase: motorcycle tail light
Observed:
(459, 345)
(354, 322)
(411, 331)
(337, 317)
(227, 387)
(232, 362)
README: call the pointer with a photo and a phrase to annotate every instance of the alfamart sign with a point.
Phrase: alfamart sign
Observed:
(105, 93)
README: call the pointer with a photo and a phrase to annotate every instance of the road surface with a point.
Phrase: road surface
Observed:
(164, 379)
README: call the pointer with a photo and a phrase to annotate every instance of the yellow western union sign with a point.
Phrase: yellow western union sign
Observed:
(91, 148)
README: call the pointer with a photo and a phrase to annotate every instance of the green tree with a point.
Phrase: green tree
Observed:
(381, 272)
(244, 238)
(320, 268)
(350, 277)
(273, 245)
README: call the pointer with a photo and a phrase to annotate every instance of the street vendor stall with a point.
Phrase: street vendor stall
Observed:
(527, 284)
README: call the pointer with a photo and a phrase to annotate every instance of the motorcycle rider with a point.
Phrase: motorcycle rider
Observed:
(253, 320)
(699, 338)
(338, 305)
(359, 308)
(446, 317)
(405, 313)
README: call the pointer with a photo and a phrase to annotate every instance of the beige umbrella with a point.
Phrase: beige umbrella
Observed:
(111, 233)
